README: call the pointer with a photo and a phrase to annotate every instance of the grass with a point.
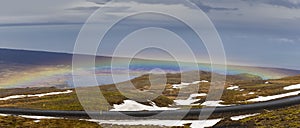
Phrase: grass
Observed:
(284, 117)
(26, 91)
(19, 122)
(250, 83)
(274, 87)
(288, 117)
(55, 102)
(247, 82)
(71, 102)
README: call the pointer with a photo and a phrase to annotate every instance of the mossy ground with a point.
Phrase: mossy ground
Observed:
(19, 122)
(246, 82)
(71, 102)
(288, 117)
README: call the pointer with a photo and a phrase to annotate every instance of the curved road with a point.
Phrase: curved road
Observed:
(167, 114)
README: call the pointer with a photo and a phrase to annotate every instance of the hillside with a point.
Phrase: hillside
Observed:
(237, 90)
(24, 58)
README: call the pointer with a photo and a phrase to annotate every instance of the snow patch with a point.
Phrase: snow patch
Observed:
(243, 116)
(196, 95)
(292, 87)
(233, 88)
(37, 121)
(213, 103)
(186, 102)
(38, 117)
(4, 115)
(251, 93)
(35, 95)
(182, 85)
(190, 100)
(167, 123)
(267, 98)
(130, 105)
(196, 82)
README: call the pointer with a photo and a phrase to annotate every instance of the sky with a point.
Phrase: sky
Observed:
(254, 32)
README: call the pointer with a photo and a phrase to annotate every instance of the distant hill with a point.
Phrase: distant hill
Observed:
(34, 57)
(22, 57)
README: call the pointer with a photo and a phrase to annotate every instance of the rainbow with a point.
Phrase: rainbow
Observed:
(55, 75)
(32, 76)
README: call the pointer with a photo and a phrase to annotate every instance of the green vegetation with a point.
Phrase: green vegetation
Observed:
(247, 83)
(259, 87)
(55, 102)
(285, 117)
(26, 91)
(288, 117)
(70, 101)
(19, 122)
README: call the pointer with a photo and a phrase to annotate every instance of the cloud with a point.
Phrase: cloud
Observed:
(207, 8)
(284, 40)
(34, 12)
(204, 7)
(255, 23)
(92, 8)
(285, 3)
(280, 3)
(101, 2)
(40, 24)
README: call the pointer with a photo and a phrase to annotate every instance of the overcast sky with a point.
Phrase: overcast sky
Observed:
(254, 32)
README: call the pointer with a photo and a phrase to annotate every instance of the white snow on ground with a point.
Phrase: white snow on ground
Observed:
(204, 81)
(267, 98)
(233, 87)
(292, 87)
(168, 123)
(13, 97)
(196, 95)
(130, 105)
(196, 82)
(36, 121)
(243, 116)
(35, 95)
(190, 100)
(251, 93)
(213, 103)
(186, 102)
(38, 117)
(182, 85)
(4, 115)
